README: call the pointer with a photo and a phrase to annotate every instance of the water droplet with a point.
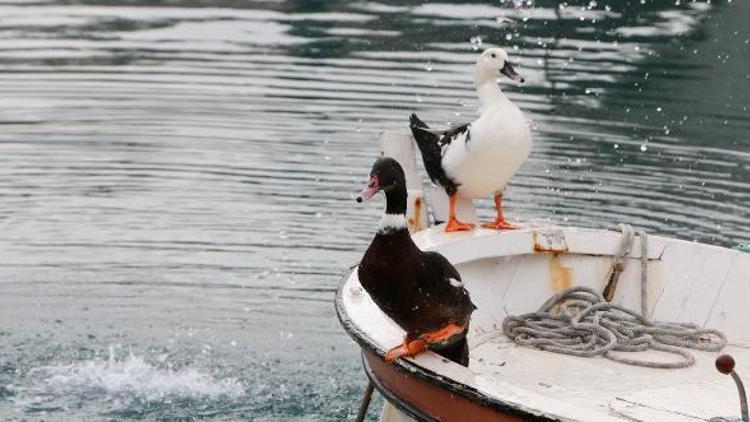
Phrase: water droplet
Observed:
(476, 42)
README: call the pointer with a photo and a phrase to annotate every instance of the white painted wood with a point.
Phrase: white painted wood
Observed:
(401, 148)
(731, 310)
(693, 276)
(483, 243)
(688, 282)
(486, 292)
(391, 413)
(597, 385)
(679, 402)
(438, 199)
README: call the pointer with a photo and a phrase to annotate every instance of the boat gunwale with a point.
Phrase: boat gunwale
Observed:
(412, 369)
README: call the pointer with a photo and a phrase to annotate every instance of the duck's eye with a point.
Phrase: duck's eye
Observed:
(493, 55)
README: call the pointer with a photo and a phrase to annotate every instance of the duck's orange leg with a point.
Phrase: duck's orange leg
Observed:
(411, 347)
(500, 222)
(453, 224)
(408, 348)
(443, 334)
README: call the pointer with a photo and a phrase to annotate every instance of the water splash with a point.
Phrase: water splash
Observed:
(123, 381)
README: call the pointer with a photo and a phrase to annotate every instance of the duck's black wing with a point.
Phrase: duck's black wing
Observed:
(456, 306)
(448, 283)
(432, 145)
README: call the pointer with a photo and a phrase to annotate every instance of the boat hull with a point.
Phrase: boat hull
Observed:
(422, 399)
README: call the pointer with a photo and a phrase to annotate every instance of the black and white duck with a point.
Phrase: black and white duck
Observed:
(420, 291)
(478, 158)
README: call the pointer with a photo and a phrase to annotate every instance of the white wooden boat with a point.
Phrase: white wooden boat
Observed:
(514, 272)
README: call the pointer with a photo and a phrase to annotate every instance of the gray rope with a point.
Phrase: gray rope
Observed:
(580, 322)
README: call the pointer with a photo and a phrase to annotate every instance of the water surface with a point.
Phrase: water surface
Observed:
(177, 178)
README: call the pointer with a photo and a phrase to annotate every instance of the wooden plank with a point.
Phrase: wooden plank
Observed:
(680, 403)
(487, 282)
(465, 209)
(628, 291)
(484, 243)
(692, 278)
(400, 147)
(731, 312)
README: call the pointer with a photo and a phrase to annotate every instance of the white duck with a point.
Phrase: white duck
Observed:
(479, 158)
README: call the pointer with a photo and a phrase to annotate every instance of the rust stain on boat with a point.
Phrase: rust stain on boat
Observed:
(550, 241)
(560, 276)
(415, 221)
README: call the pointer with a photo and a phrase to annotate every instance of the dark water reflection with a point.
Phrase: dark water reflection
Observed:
(177, 177)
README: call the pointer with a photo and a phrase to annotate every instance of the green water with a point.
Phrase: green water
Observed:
(177, 177)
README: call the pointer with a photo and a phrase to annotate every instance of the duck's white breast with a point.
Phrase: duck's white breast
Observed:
(499, 143)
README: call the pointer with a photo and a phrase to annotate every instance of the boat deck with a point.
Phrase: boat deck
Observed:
(600, 389)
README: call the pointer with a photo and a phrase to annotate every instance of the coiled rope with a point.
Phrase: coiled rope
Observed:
(580, 322)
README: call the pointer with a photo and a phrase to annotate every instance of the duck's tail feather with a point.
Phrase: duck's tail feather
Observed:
(427, 141)
(416, 122)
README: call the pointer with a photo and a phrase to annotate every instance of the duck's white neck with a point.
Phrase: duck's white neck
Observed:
(489, 92)
(391, 222)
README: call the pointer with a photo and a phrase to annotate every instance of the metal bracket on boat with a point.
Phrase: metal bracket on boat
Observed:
(725, 365)
(550, 240)
(620, 260)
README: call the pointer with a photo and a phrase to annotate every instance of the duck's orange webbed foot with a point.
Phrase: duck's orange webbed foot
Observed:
(500, 224)
(453, 224)
(456, 226)
(408, 348)
(442, 335)
(411, 347)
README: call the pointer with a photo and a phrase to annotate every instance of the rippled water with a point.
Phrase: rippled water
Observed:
(177, 177)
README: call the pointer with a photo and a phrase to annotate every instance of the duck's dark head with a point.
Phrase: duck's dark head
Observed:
(388, 176)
